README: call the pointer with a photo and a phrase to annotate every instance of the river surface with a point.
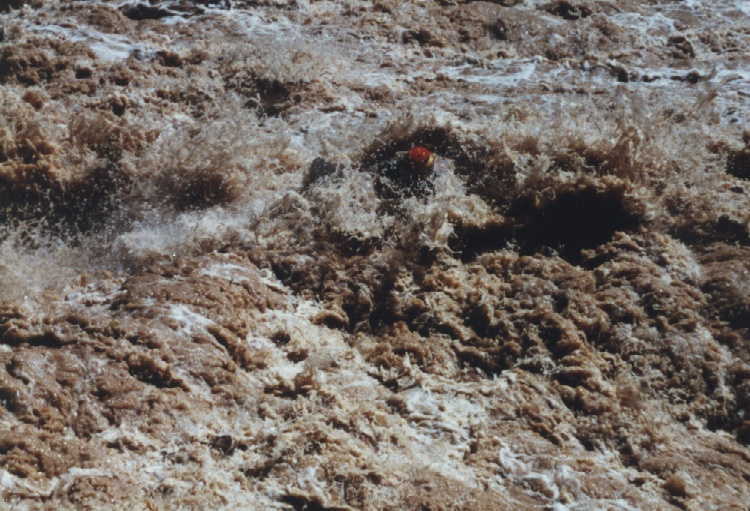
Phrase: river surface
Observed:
(225, 285)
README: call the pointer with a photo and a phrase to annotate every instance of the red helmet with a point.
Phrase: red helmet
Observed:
(421, 156)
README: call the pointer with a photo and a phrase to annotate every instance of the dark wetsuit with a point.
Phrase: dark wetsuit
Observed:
(405, 178)
(396, 178)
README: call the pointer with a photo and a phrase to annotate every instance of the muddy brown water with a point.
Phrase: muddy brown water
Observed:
(219, 289)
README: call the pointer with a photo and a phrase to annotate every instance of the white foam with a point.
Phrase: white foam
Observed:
(648, 26)
(559, 485)
(191, 321)
(499, 73)
(107, 47)
(227, 271)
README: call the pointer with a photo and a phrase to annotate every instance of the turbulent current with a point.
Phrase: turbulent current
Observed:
(381, 255)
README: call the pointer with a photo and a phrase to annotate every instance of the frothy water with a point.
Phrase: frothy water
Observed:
(209, 203)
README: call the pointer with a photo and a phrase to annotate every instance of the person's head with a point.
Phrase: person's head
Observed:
(421, 158)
